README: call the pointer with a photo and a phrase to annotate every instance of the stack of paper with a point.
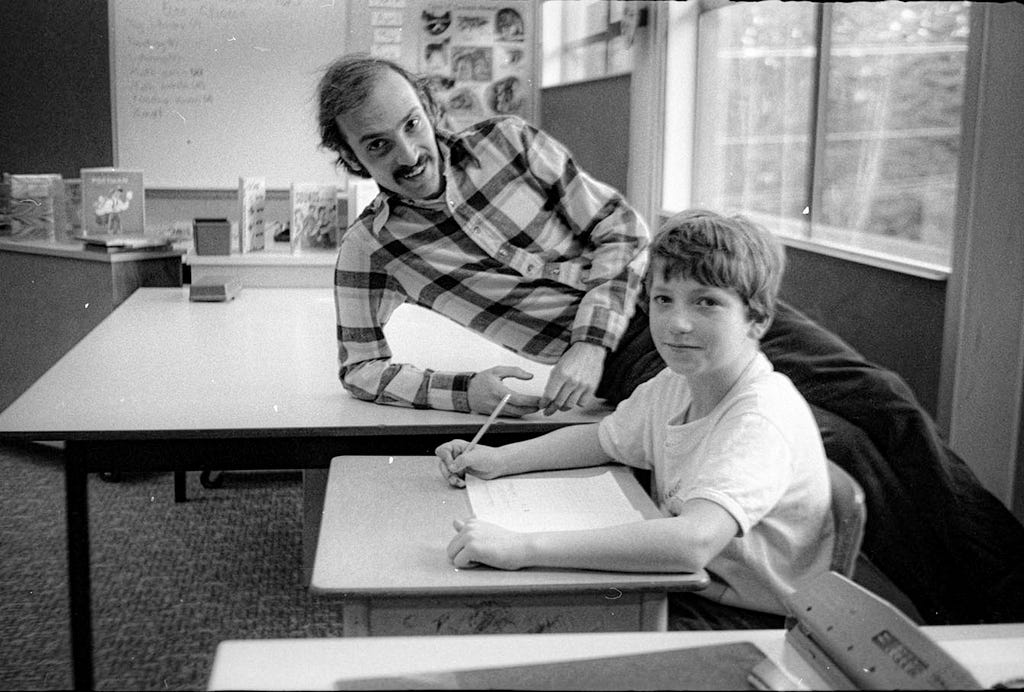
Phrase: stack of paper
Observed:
(529, 504)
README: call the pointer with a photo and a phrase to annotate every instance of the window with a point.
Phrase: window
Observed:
(836, 124)
(582, 40)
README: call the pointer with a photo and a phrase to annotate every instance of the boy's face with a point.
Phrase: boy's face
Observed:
(392, 138)
(701, 331)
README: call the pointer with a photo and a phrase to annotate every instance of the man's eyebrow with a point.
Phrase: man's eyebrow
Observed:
(374, 135)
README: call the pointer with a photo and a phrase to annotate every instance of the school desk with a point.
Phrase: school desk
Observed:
(992, 653)
(167, 384)
(386, 523)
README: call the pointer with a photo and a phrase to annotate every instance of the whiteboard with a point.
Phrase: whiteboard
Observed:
(206, 91)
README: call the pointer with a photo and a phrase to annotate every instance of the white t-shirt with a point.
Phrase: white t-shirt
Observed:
(758, 455)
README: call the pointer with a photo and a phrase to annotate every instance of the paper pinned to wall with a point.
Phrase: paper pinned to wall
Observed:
(532, 504)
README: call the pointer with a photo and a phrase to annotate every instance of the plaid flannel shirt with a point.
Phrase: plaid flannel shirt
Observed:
(523, 247)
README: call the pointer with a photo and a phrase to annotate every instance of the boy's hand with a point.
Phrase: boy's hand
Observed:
(482, 461)
(487, 388)
(481, 543)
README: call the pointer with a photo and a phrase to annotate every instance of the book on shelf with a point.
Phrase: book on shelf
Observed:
(252, 200)
(111, 243)
(314, 217)
(361, 192)
(33, 207)
(113, 202)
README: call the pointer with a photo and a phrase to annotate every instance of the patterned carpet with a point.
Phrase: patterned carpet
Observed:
(170, 580)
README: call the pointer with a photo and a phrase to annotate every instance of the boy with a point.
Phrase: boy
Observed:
(736, 459)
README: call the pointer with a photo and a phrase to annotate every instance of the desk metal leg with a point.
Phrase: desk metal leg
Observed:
(76, 493)
(654, 612)
(355, 618)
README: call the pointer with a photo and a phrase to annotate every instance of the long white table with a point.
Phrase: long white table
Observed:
(166, 384)
(992, 653)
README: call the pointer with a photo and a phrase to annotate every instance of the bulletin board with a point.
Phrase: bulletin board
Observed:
(206, 91)
(481, 56)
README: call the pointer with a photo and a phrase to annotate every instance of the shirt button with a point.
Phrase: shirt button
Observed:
(554, 272)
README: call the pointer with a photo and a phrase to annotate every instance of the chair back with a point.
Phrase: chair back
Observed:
(849, 514)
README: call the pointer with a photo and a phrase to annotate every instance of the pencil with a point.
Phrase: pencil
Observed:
(487, 424)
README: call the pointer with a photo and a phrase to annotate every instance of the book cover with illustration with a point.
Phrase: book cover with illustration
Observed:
(314, 220)
(252, 200)
(113, 202)
(33, 207)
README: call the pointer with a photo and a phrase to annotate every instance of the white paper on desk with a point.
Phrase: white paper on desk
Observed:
(551, 504)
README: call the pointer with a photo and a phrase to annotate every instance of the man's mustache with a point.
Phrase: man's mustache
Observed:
(402, 171)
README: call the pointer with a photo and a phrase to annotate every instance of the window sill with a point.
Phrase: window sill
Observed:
(924, 270)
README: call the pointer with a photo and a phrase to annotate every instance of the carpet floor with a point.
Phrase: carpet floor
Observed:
(170, 580)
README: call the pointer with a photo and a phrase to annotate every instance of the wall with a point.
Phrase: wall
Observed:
(893, 319)
(54, 66)
(600, 144)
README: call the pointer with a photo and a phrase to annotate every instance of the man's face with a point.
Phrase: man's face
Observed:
(392, 139)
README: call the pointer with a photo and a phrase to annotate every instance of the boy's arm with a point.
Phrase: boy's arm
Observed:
(683, 543)
(574, 446)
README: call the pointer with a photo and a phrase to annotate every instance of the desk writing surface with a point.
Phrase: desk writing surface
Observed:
(263, 364)
(387, 521)
(993, 653)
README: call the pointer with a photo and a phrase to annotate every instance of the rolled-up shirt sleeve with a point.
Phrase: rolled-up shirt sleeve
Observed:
(364, 302)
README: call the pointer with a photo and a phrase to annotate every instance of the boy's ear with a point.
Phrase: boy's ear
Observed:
(759, 324)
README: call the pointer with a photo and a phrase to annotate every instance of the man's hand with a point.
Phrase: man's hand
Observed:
(487, 388)
(574, 378)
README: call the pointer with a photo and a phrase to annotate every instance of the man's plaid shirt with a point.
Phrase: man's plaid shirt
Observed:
(523, 247)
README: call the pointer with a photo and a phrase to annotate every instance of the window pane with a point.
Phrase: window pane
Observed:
(754, 108)
(892, 127)
(577, 43)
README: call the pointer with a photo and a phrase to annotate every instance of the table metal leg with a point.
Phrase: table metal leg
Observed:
(180, 478)
(76, 492)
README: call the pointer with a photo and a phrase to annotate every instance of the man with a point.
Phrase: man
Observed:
(495, 227)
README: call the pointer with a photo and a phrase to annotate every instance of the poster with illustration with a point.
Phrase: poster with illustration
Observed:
(479, 59)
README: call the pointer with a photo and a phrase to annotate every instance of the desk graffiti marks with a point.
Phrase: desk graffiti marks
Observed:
(537, 613)
(489, 617)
